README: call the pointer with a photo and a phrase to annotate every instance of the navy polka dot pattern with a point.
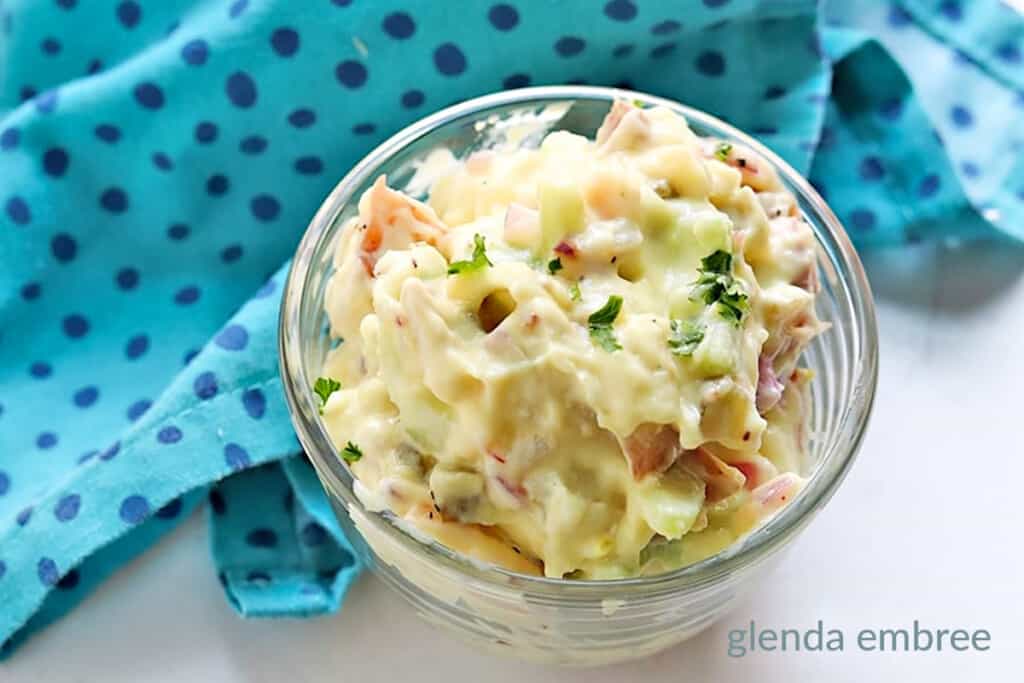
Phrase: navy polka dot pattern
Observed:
(177, 232)
(302, 118)
(265, 207)
(236, 457)
(75, 326)
(929, 186)
(412, 99)
(205, 385)
(55, 162)
(261, 538)
(232, 338)
(195, 52)
(110, 451)
(86, 396)
(569, 46)
(206, 132)
(862, 219)
(187, 295)
(64, 247)
(114, 200)
(231, 253)
(217, 184)
(9, 138)
(50, 46)
(169, 435)
(47, 571)
(313, 534)
(516, 81)
(237, 8)
(162, 161)
(129, 13)
(351, 73)
(137, 409)
(399, 25)
(711, 63)
(134, 509)
(309, 165)
(253, 144)
(663, 28)
(18, 211)
(449, 60)
(620, 10)
(40, 370)
(503, 17)
(150, 202)
(108, 132)
(31, 291)
(67, 507)
(285, 41)
(127, 278)
(241, 90)
(149, 95)
(255, 403)
(961, 116)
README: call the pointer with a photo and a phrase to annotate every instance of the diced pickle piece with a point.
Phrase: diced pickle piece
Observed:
(671, 503)
(561, 213)
(716, 354)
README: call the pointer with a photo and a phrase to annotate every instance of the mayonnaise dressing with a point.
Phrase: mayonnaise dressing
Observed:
(580, 359)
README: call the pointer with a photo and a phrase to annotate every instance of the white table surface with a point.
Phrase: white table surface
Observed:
(927, 527)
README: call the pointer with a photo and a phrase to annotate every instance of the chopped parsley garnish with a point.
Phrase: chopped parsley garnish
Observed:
(722, 151)
(574, 292)
(554, 265)
(478, 262)
(685, 336)
(600, 324)
(716, 285)
(732, 305)
(324, 387)
(351, 453)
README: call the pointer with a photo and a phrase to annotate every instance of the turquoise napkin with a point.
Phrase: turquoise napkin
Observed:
(160, 160)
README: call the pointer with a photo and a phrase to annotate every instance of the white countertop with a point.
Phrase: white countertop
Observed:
(926, 527)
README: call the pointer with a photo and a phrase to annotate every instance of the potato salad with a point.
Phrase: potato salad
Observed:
(579, 359)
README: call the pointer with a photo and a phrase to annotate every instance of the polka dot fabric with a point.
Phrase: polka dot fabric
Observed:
(160, 167)
(930, 144)
(279, 556)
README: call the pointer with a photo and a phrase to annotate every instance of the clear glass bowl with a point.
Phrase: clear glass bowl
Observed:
(559, 620)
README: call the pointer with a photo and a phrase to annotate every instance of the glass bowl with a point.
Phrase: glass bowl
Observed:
(562, 620)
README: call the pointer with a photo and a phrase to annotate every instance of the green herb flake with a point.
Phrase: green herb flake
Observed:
(574, 292)
(722, 151)
(351, 453)
(478, 262)
(684, 336)
(604, 337)
(600, 324)
(554, 265)
(716, 285)
(324, 387)
(719, 262)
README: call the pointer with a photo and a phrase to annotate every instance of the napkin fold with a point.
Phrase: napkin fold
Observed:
(160, 161)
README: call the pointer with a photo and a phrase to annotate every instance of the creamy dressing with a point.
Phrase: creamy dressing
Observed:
(503, 406)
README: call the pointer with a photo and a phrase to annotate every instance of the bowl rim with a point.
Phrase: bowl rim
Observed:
(338, 480)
